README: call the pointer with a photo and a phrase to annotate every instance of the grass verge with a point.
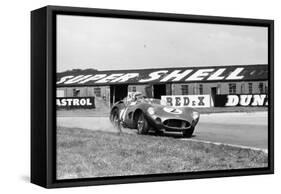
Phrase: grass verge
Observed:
(83, 154)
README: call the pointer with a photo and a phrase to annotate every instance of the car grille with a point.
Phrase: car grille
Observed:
(176, 123)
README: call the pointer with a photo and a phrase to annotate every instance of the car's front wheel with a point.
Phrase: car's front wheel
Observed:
(142, 124)
(188, 133)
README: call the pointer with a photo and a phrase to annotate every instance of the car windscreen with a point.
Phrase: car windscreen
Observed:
(155, 101)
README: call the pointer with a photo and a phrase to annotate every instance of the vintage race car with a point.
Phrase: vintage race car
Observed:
(146, 114)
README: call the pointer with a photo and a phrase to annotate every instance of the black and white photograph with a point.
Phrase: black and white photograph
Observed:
(146, 97)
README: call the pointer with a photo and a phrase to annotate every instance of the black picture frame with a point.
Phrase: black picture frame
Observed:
(43, 95)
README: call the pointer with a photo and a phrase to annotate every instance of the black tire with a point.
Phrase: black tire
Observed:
(188, 133)
(115, 119)
(142, 124)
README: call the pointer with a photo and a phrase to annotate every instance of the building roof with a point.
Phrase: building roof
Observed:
(92, 77)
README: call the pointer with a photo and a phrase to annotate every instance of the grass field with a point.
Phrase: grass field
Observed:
(83, 153)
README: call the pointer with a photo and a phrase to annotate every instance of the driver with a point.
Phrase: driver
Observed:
(138, 96)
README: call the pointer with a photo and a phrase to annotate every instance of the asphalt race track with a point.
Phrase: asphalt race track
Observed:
(245, 129)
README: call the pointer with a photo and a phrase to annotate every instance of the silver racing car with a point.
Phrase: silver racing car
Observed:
(146, 114)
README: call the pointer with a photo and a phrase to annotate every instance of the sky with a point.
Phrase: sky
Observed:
(109, 44)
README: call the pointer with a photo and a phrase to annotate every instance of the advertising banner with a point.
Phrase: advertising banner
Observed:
(241, 100)
(196, 101)
(75, 102)
(169, 75)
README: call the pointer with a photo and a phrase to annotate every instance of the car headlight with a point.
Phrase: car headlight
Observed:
(195, 115)
(151, 111)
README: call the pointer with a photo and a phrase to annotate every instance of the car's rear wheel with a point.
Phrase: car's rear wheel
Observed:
(142, 124)
(188, 133)
(115, 119)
